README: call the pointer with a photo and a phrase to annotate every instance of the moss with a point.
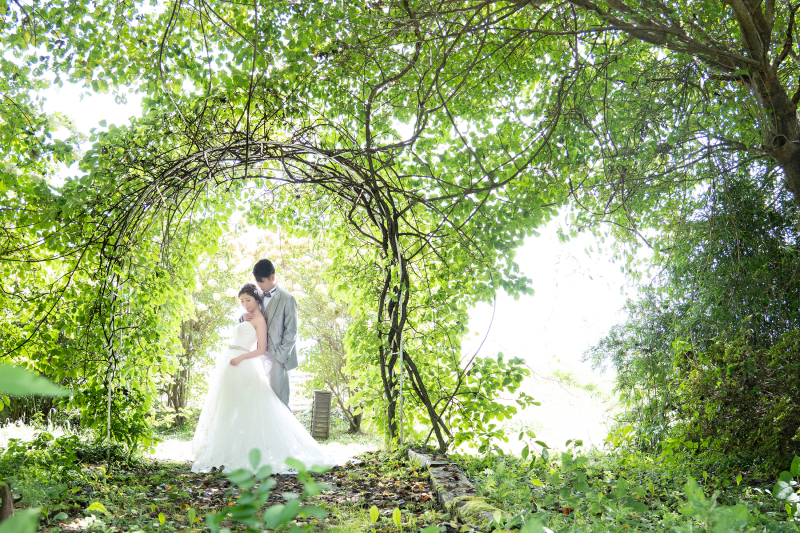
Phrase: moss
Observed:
(473, 509)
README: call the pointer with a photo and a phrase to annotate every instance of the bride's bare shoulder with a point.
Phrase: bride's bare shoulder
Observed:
(258, 320)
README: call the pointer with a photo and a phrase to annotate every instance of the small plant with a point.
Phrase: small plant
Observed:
(249, 504)
(713, 516)
(786, 489)
(397, 517)
(374, 514)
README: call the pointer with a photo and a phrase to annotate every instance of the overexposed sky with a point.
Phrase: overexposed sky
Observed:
(88, 112)
(578, 296)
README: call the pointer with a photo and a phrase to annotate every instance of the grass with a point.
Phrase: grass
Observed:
(612, 490)
(622, 489)
(67, 478)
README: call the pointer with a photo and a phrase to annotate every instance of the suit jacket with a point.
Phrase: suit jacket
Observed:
(280, 312)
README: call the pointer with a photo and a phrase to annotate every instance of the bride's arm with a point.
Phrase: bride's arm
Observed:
(261, 347)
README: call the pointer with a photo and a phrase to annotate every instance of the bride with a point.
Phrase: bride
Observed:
(241, 411)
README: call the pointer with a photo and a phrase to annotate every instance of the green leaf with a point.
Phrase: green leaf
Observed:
(580, 482)
(289, 511)
(795, 468)
(635, 505)
(553, 479)
(240, 476)
(314, 511)
(255, 458)
(213, 520)
(264, 472)
(18, 381)
(374, 514)
(297, 465)
(25, 521)
(783, 490)
(266, 485)
(314, 488)
(396, 517)
(97, 506)
(246, 498)
(534, 525)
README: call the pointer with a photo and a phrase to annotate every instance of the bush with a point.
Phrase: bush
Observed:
(706, 350)
(741, 397)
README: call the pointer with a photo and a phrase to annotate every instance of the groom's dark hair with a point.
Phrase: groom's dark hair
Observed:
(263, 269)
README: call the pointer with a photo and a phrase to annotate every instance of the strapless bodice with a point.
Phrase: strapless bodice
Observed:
(244, 336)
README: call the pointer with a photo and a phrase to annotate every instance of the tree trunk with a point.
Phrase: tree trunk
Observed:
(353, 420)
(6, 502)
(355, 423)
(781, 131)
(177, 392)
(422, 393)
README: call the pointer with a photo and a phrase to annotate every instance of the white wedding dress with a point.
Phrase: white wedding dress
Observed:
(241, 412)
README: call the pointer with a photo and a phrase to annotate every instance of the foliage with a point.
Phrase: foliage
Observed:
(288, 103)
(22, 522)
(403, 143)
(619, 489)
(785, 490)
(721, 310)
(19, 381)
(660, 98)
(16, 381)
(248, 508)
(476, 406)
(93, 333)
(623, 489)
(741, 397)
(150, 496)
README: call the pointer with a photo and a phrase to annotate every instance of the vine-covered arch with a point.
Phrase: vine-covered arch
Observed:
(437, 211)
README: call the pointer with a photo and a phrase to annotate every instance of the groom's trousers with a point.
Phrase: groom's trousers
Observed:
(279, 381)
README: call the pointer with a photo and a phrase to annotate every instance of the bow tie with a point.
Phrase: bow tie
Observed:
(268, 294)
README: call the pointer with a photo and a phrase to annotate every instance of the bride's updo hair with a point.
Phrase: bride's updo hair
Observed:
(250, 290)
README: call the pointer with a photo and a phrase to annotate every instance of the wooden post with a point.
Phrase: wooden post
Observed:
(321, 414)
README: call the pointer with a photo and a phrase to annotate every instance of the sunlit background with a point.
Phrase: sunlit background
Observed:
(579, 295)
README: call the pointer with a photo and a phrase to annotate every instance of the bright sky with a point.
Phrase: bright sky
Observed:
(578, 296)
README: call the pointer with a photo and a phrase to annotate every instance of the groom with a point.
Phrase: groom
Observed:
(280, 311)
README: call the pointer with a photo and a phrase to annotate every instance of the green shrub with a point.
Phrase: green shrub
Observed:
(742, 398)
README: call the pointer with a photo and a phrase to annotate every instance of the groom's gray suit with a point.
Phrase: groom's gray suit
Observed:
(280, 312)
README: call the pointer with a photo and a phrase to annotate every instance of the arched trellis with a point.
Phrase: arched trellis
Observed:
(229, 132)
(381, 206)
(155, 173)
(178, 183)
